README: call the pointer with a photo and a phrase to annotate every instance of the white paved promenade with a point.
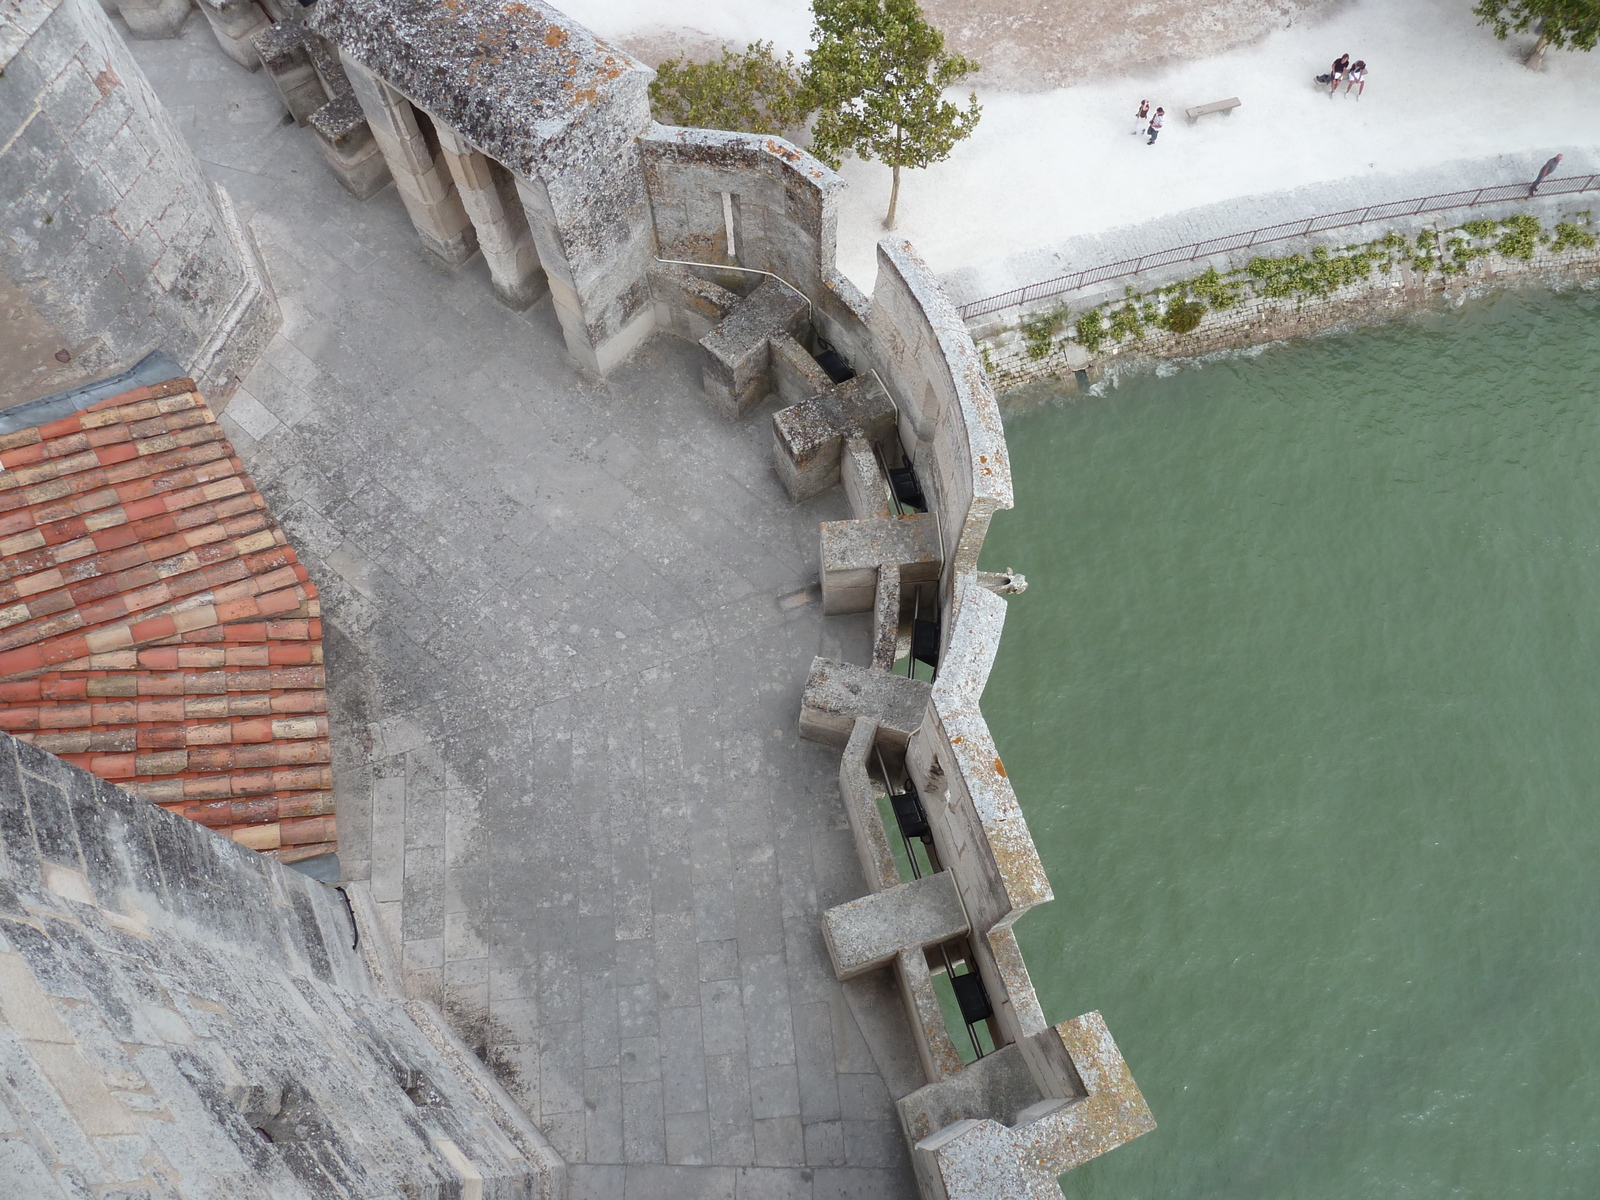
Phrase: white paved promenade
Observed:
(1048, 167)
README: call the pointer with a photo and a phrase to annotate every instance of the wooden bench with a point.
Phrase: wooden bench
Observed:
(1225, 107)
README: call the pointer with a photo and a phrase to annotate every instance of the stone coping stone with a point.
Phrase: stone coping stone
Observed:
(509, 77)
(837, 693)
(869, 931)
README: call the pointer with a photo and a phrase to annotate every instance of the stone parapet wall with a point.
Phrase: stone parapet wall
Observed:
(948, 416)
(1045, 1098)
(113, 242)
(1395, 283)
(782, 203)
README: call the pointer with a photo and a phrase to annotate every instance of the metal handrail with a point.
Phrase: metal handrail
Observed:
(1470, 198)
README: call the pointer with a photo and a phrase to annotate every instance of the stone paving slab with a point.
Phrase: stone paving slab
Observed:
(566, 623)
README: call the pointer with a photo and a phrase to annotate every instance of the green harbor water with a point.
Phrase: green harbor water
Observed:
(1303, 708)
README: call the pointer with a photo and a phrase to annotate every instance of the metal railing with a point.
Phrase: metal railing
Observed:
(1470, 198)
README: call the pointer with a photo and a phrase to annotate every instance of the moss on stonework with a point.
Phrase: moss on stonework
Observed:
(1184, 316)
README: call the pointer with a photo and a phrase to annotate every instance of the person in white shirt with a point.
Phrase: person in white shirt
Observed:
(1155, 126)
(1356, 75)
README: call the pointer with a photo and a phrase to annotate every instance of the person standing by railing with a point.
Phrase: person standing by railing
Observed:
(1544, 173)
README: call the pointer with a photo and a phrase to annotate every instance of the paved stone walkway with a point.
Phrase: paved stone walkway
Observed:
(567, 626)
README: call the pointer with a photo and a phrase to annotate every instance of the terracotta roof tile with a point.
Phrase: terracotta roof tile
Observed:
(155, 625)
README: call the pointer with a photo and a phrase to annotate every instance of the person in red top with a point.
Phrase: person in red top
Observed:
(1544, 173)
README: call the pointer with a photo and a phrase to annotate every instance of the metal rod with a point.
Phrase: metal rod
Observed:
(911, 855)
(684, 262)
(883, 465)
(950, 973)
(916, 611)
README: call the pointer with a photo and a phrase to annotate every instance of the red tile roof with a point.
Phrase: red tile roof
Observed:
(156, 627)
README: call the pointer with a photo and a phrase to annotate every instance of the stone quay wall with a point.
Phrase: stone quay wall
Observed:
(1394, 269)
(113, 243)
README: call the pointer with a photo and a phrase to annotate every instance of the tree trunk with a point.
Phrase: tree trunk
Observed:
(894, 191)
(1535, 59)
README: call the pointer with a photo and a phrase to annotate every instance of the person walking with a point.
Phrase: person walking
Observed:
(1340, 66)
(1544, 173)
(1141, 119)
(1155, 126)
(1357, 74)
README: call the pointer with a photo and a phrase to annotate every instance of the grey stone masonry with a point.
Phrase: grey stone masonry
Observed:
(154, 18)
(809, 436)
(236, 24)
(112, 241)
(489, 194)
(736, 364)
(421, 175)
(182, 1017)
(557, 107)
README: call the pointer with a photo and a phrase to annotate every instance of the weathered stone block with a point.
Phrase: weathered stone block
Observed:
(837, 693)
(1018, 1150)
(154, 18)
(796, 376)
(348, 145)
(688, 305)
(736, 357)
(208, 1010)
(808, 437)
(852, 552)
(285, 53)
(235, 24)
(869, 932)
(116, 240)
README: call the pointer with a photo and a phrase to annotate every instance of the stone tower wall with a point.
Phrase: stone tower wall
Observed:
(182, 1017)
(113, 243)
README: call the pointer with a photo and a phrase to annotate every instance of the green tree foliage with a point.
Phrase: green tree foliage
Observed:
(753, 92)
(1561, 23)
(877, 74)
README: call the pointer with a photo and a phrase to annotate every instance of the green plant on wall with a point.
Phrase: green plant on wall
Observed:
(753, 92)
(1127, 322)
(1568, 234)
(1090, 330)
(1317, 275)
(1039, 330)
(1219, 292)
(1522, 237)
(1299, 275)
